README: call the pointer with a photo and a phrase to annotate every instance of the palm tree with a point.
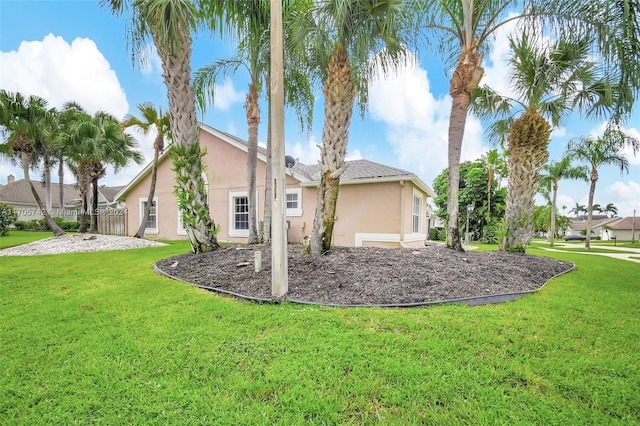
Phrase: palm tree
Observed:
(169, 23)
(98, 141)
(550, 79)
(347, 42)
(71, 112)
(577, 209)
(611, 208)
(597, 152)
(152, 119)
(251, 19)
(464, 30)
(22, 119)
(553, 172)
(597, 208)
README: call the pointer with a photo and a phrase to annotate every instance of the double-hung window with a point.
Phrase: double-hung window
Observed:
(152, 220)
(416, 213)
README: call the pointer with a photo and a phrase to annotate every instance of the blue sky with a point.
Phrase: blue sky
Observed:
(73, 50)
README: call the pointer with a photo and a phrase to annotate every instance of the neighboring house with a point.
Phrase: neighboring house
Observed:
(106, 198)
(17, 194)
(579, 226)
(622, 229)
(378, 205)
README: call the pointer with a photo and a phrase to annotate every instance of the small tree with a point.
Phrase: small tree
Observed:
(8, 216)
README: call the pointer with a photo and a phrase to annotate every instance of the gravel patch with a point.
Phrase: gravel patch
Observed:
(73, 243)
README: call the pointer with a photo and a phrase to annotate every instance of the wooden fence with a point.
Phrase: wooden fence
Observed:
(113, 221)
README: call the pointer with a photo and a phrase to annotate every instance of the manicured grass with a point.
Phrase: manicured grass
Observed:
(15, 237)
(98, 338)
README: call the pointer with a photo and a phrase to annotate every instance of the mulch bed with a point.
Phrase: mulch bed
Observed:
(366, 275)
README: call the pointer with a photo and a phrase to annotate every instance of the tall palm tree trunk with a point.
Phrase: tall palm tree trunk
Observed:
(528, 139)
(61, 182)
(152, 191)
(187, 156)
(47, 185)
(57, 231)
(253, 120)
(94, 206)
(268, 188)
(552, 234)
(592, 190)
(464, 81)
(339, 94)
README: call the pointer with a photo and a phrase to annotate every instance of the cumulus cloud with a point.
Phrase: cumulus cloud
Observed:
(226, 95)
(61, 72)
(307, 152)
(417, 122)
(627, 197)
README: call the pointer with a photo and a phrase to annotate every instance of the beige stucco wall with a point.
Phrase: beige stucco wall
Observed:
(367, 214)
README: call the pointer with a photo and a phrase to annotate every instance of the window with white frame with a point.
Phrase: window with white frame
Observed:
(238, 214)
(294, 202)
(416, 213)
(152, 221)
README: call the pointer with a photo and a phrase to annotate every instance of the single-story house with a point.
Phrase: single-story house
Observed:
(378, 205)
(622, 229)
(17, 194)
(579, 226)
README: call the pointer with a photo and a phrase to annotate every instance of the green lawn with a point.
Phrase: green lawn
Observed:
(15, 238)
(98, 338)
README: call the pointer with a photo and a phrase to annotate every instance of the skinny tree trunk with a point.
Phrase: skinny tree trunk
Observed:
(464, 81)
(553, 213)
(339, 95)
(592, 191)
(61, 182)
(152, 191)
(268, 188)
(47, 185)
(187, 157)
(57, 231)
(94, 207)
(253, 120)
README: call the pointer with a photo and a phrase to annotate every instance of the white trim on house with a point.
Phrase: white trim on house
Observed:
(141, 204)
(417, 196)
(361, 237)
(296, 211)
(238, 233)
(181, 229)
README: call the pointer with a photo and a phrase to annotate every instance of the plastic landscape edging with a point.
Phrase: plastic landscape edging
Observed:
(470, 301)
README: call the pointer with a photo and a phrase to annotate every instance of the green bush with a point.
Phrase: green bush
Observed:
(20, 225)
(433, 234)
(67, 225)
(489, 234)
(8, 216)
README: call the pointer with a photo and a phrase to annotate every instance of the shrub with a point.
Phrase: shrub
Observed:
(433, 234)
(8, 216)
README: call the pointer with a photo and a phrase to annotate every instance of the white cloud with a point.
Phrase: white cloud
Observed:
(626, 196)
(225, 95)
(61, 72)
(418, 123)
(306, 152)
(355, 155)
(150, 62)
(633, 157)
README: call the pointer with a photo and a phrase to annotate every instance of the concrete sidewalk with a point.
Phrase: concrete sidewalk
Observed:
(634, 252)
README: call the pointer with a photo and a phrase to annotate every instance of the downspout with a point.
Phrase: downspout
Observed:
(402, 212)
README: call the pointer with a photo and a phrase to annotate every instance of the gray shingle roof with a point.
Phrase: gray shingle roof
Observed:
(625, 223)
(19, 192)
(110, 192)
(356, 170)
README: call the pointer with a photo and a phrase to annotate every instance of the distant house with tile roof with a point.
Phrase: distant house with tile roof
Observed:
(377, 205)
(17, 194)
(622, 229)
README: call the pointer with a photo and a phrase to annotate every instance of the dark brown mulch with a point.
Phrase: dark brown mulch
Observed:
(368, 276)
